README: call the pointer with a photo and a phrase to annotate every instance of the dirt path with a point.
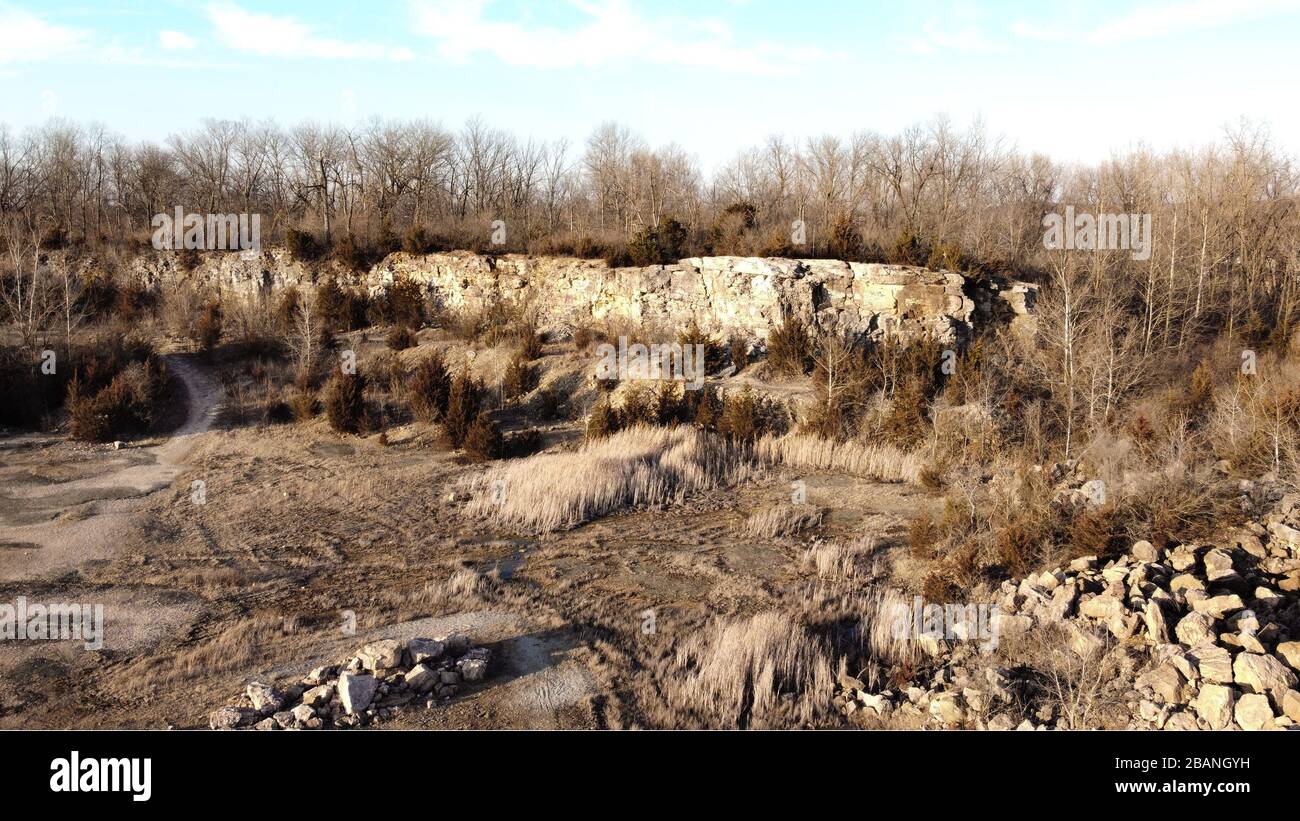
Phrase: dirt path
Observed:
(80, 510)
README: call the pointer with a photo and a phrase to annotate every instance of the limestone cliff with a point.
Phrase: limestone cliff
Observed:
(732, 295)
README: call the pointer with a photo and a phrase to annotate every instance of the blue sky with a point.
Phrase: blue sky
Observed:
(1075, 80)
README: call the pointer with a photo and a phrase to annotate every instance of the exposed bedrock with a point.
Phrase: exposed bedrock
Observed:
(731, 295)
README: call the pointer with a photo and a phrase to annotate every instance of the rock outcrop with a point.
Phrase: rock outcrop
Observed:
(744, 296)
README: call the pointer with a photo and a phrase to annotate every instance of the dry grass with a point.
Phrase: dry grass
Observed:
(238, 646)
(760, 672)
(868, 461)
(635, 467)
(783, 520)
(837, 560)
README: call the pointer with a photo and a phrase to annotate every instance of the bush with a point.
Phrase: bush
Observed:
(483, 439)
(126, 405)
(638, 407)
(582, 338)
(519, 379)
(463, 402)
(602, 421)
(400, 338)
(909, 249)
(208, 331)
(709, 344)
(738, 352)
(789, 348)
(345, 402)
(845, 240)
(740, 419)
(657, 245)
(429, 389)
(401, 303)
(302, 404)
(302, 245)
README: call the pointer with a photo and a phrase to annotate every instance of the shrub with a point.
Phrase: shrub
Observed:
(922, 536)
(602, 421)
(302, 245)
(657, 245)
(463, 402)
(845, 239)
(638, 407)
(530, 345)
(345, 402)
(400, 338)
(945, 256)
(126, 405)
(483, 439)
(712, 348)
(302, 404)
(401, 303)
(909, 249)
(524, 443)
(582, 338)
(429, 389)
(789, 348)
(740, 420)
(738, 352)
(520, 377)
(208, 332)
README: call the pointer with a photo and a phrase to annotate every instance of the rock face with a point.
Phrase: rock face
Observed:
(743, 296)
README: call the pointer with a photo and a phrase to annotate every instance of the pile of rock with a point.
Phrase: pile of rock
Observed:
(383, 677)
(1199, 637)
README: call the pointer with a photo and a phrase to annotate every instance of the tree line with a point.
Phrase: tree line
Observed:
(1225, 245)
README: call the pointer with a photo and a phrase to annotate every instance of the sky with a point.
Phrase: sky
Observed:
(1075, 80)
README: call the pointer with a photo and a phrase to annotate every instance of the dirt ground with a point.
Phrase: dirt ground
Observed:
(295, 532)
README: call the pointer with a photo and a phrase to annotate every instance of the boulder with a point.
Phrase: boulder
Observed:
(356, 691)
(1213, 662)
(1219, 606)
(384, 654)
(1258, 673)
(228, 718)
(1154, 618)
(423, 650)
(318, 696)
(946, 708)
(456, 644)
(1218, 566)
(472, 669)
(1253, 712)
(1214, 704)
(1289, 653)
(1291, 705)
(1195, 629)
(1144, 551)
(1103, 607)
(1166, 682)
(303, 713)
(266, 700)
(421, 678)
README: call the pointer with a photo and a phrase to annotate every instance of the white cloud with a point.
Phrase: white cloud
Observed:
(176, 41)
(966, 40)
(610, 31)
(271, 36)
(1158, 20)
(25, 38)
